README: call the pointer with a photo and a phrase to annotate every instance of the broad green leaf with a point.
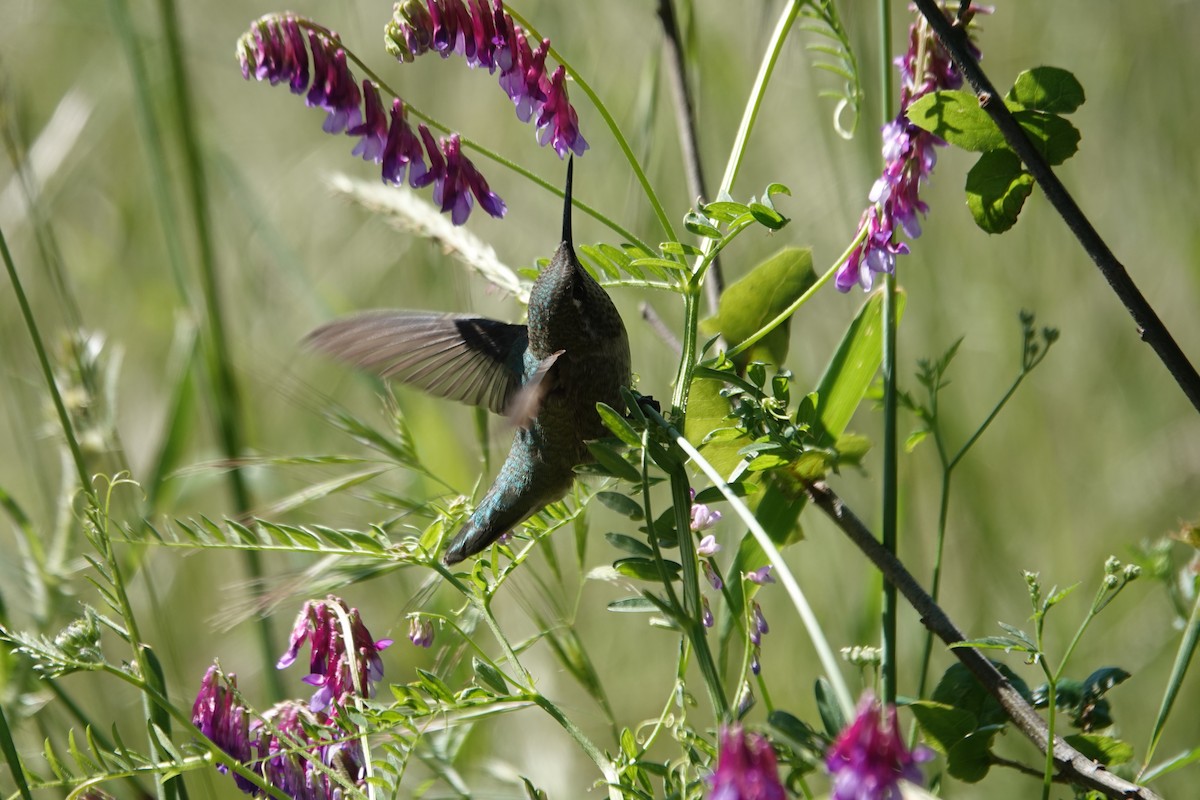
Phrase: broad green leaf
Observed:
(956, 117)
(756, 299)
(1102, 680)
(1047, 89)
(626, 506)
(959, 688)
(1052, 136)
(827, 706)
(490, 676)
(679, 249)
(725, 210)
(970, 759)
(944, 726)
(1105, 749)
(707, 411)
(851, 370)
(996, 190)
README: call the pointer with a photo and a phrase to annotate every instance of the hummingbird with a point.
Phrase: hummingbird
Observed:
(546, 376)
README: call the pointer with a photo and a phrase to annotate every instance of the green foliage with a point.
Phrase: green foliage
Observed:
(998, 184)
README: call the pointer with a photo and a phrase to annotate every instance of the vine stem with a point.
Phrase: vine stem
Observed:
(1150, 328)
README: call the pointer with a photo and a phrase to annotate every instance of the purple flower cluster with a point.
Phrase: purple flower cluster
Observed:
(869, 758)
(487, 37)
(290, 744)
(909, 156)
(320, 622)
(746, 768)
(277, 48)
(287, 742)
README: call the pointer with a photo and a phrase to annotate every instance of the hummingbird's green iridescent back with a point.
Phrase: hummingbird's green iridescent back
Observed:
(547, 376)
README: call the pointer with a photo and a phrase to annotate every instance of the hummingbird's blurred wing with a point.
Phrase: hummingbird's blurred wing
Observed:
(472, 360)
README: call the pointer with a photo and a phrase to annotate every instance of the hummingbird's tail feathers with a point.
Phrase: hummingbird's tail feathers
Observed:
(472, 360)
(566, 232)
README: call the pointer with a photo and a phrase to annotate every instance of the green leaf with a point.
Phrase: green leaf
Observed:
(621, 504)
(767, 216)
(1105, 749)
(956, 117)
(1102, 680)
(1047, 89)
(1052, 136)
(725, 210)
(629, 544)
(756, 299)
(490, 676)
(680, 249)
(970, 759)
(707, 411)
(1005, 643)
(660, 263)
(435, 686)
(644, 569)
(1170, 765)
(959, 688)
(827, 706)
(618, 425)
(776, 188)
(944, 726)
(996, 190)
(613, 463)
(851, 370)
(633, 605)
(701, 225)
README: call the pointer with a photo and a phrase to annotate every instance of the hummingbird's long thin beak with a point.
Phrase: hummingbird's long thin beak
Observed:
(566, 234)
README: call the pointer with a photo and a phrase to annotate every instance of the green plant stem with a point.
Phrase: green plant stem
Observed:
(611, 778)
(226, 397)
(692, 623)
(64, 419)
(890, 481)
(824, 652)
(691, 326)
(1187, 648)
(13, 757)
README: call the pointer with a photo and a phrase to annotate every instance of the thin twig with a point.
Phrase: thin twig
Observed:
(1150, 328)
(1071, 763)
(656, 323)
(685, 115)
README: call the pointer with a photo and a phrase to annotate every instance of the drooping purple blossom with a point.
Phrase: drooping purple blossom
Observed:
(275, 50)
(746, 768)
(706, 615)
(489, 38)
(869, 758)
(420, 631)
(909, 157)
(225, 721)
(714, 578)
(708, 545)
(332, 668)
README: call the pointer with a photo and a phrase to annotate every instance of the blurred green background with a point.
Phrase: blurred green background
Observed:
(1098, 452)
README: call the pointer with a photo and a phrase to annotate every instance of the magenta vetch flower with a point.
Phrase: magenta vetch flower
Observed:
(330, 664)
(909, 156)
(869, 758)
(420, 631)
(275, 50)
(488, 38)
(225, 721)
(746, 768)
